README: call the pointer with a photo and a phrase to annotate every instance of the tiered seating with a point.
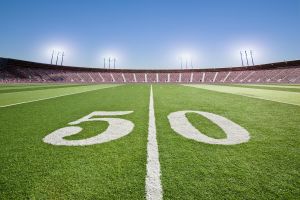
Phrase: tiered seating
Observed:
(16, 71)
(140, 77)
(220, 77)
(118, 77)
(96, 76)
(242, 76)
(163, 77)
(85, 77)
(129, 77)
(231, 76)
(107, 77)
(293, 76)
(185, 77)
(151, 77)
(174, 77)
(209, 77)
(197, 77)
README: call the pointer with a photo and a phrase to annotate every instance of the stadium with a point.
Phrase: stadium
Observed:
(17, 71)
(184, 131)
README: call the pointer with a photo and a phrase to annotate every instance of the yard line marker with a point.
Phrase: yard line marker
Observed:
(54, 97)
(153, 183)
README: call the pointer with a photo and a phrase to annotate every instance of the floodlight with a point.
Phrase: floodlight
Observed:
(109, 63)
(252, 57)
(185, 57)
(52, 56)
(114, 63)
(62, 58)
(242, 58)
(110, 59)
(57, 57)
(247, 58)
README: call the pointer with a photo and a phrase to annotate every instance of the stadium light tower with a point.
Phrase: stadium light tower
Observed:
(186, 63)
(104, 62)
(52, 56)
(62, 58)
(247, 58)
(252, 57)
(181, 62)
(109, 63)
(185, 59)
(242, 58)
(114, 63)
(57, 57)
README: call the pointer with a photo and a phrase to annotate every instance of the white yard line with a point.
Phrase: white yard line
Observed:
(54, 97)
(153, 183)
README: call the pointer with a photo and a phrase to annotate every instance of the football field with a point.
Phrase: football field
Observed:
(157, 141)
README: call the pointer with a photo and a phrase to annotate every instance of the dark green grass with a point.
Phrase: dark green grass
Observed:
(32, 88)
(23, 85)
(266, 88)
(31, 169)
(267, 167)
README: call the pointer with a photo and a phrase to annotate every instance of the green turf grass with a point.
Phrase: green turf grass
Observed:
(267, 167)
(205, 126)
(25, 96)
(29, 85)
(268, 87)
(32, 88)
(32, 169)
(279, 96)
(277, 85)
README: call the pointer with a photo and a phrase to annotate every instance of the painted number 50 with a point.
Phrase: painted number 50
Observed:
(117, 128)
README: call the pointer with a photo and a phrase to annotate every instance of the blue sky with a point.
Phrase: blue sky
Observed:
(151, 33)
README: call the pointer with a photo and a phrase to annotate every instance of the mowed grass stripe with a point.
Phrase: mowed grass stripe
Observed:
(22, 89)
(289, 89)
(266, 167)
(9, 86)
(10, 99)
(271, 95)
(32, 169)
(278, 85)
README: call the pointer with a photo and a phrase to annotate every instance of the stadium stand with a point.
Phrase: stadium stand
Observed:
(19, 71)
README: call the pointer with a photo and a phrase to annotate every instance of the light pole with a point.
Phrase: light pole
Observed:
(52, 56)
(114, 63)
(109, 63)
(62, 58)
(186, 63)
(242, 58)
(247, 58)
(252, 57)
(57, 57)
(181, 62)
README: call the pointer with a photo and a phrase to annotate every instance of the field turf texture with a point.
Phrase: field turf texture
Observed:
(266, 167)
